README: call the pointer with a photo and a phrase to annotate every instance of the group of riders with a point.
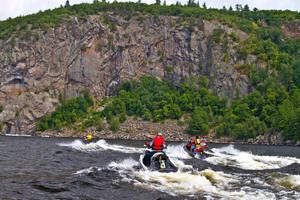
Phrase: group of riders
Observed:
(195, 145)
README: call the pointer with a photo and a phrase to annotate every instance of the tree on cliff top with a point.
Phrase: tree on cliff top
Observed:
(67, 4)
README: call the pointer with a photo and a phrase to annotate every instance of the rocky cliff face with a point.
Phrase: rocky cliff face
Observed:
(40, 66)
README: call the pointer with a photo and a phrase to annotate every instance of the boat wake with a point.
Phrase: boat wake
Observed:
(206, 183)
(100, 145)
(229, 156)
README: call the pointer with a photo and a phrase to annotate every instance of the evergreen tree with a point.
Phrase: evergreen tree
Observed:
(157, 2)
(255, 9)
(224, 8)
(191, 3)
(238, 7)
(246, 8)
(95, 1)
(67, 4)
(165, 3)
(204, 5)
(230, 8)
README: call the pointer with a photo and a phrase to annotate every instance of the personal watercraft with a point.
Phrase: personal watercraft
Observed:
(198, 153)
(157, 161)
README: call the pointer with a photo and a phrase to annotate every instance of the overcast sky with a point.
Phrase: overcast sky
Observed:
(13, 8)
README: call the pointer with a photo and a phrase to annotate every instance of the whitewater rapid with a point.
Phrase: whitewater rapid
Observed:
(208, 183)
(230, 156)
(225, 156)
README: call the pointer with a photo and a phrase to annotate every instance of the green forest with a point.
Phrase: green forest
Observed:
(191, 103)
(273, 106)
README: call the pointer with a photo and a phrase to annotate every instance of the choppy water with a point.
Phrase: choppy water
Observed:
(53, 168)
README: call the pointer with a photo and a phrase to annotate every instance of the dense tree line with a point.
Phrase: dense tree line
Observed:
(241, 18)
(271, 108)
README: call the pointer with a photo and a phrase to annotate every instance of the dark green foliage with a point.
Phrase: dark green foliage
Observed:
(95, 119)
(114, 124)
(296, 74)
(66, 114)
(155, 100)
(67, 5)
(1, 108)
(51, 18)
(192, 3)
(246, 8)
(122, 117)
(198, 123)
(287, 118)
(218, 32)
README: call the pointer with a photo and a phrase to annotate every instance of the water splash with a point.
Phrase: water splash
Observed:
(207, 183)
(87, 171)
(177, 151)
(126, 164)
(17, 135)
(100, 145)
(229, 156)
(287, 181)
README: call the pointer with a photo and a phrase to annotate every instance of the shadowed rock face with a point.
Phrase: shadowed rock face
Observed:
(38, 68)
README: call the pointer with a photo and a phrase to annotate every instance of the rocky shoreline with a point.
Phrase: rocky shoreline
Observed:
(138, 129)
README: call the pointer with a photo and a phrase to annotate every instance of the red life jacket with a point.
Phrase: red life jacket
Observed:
(158, 143)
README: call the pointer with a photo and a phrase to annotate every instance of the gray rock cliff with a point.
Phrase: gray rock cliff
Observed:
(45, 64)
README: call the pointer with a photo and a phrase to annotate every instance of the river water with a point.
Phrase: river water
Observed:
(55, 168)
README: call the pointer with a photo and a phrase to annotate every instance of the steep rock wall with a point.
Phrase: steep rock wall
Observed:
(41, 66)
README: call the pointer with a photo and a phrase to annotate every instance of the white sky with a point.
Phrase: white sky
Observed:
(14, 8)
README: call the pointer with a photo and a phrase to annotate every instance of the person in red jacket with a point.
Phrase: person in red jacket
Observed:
(191, 145)
(158, 143)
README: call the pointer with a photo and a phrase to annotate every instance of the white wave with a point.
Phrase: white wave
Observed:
(100, 145)
(79, 145)
(126, 164)
(204, 183)
(177, 151)
(124, 149)
(87, 171)
(229, 156)
(288, 181)
(17, 135)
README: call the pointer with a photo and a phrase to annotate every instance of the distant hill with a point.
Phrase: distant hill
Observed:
(250, 59)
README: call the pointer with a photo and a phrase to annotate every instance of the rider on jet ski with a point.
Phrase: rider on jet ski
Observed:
(197, 145)
(158, 144)
(88, 137)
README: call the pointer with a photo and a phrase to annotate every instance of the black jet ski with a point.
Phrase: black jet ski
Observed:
(159, 161)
